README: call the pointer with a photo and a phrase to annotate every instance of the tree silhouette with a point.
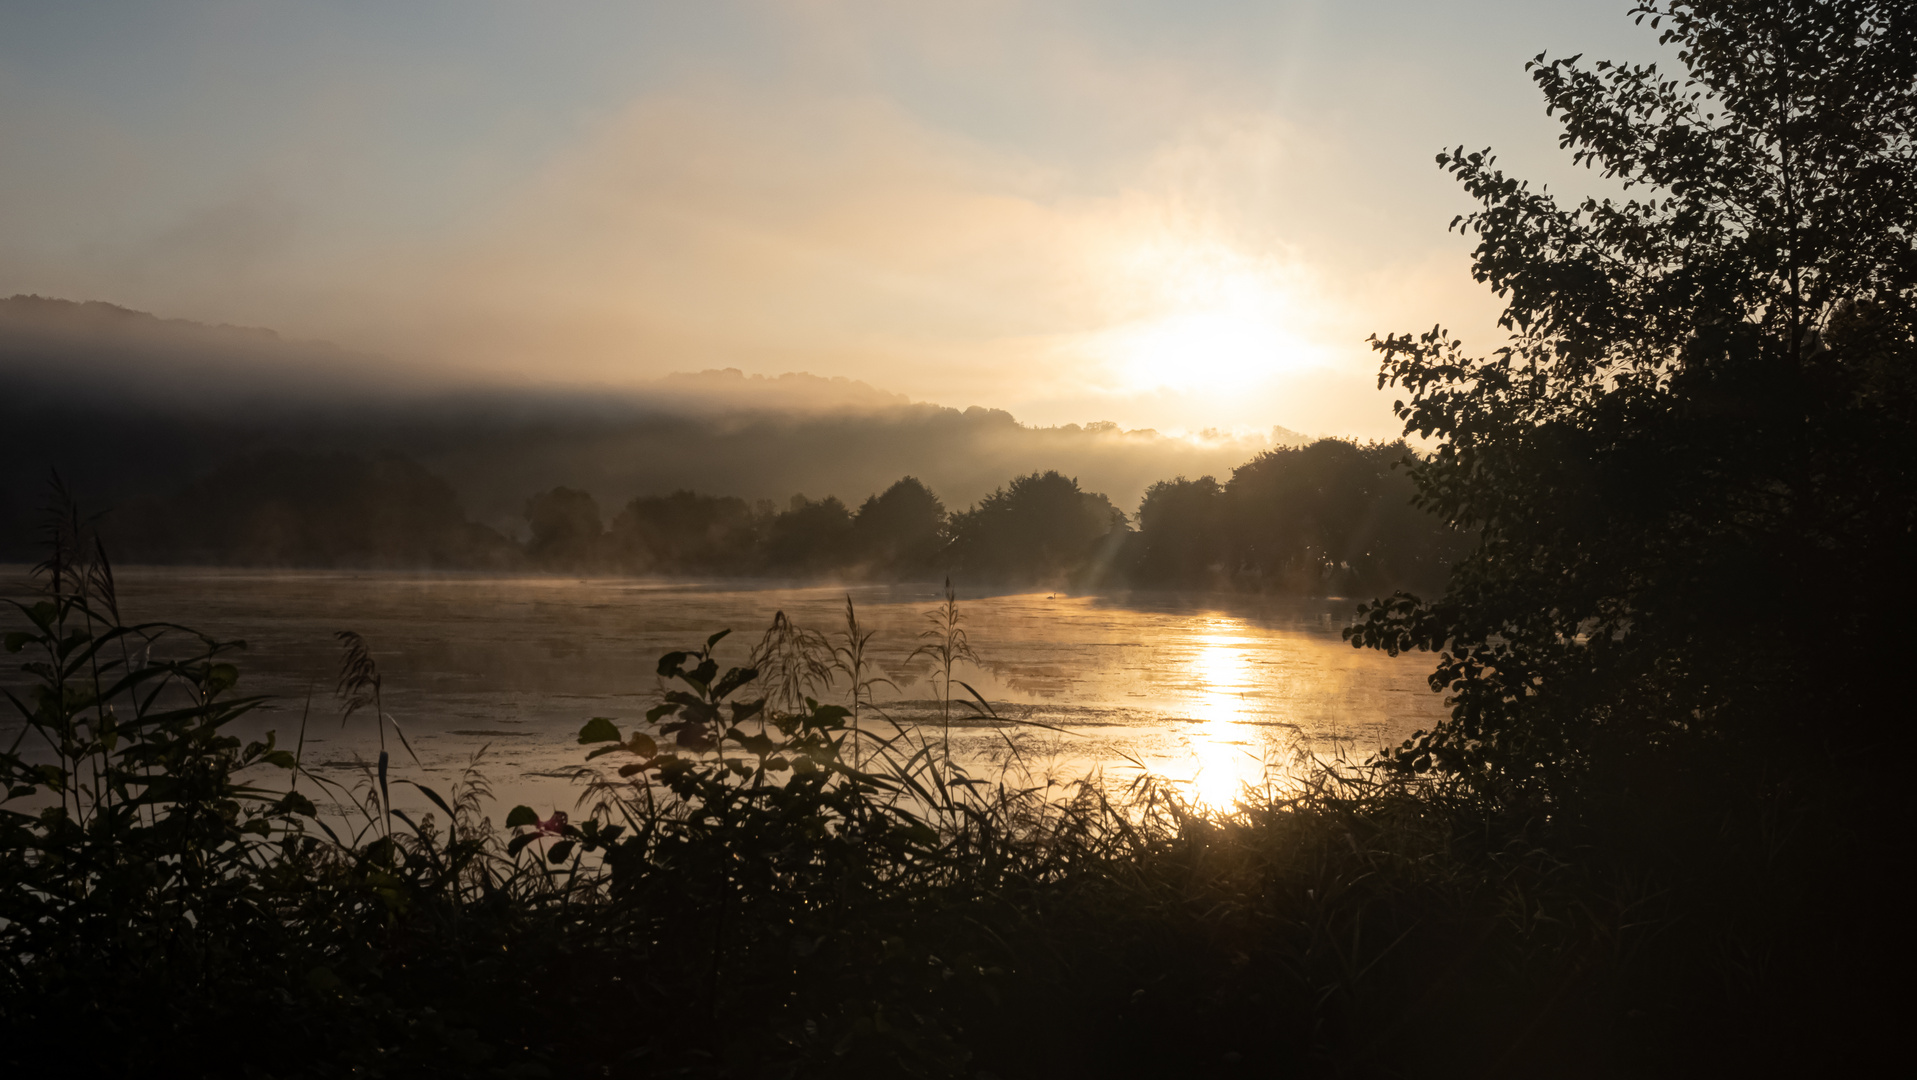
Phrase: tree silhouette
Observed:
(902, 530)
(1691, 462)
(809, 537)
(686, 532)
(1330, 518)
(1334, 518)
(566, 529)
(281, 507)
(1039, 529)
(1181, 525)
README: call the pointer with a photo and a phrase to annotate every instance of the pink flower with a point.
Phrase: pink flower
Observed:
(555, 825)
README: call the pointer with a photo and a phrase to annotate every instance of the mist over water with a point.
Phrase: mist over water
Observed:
(1207, 693)
(132, 409)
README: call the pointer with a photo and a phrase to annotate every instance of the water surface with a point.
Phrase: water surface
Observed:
(1208, 693)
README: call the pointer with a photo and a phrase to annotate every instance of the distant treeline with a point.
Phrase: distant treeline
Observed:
(129, 407)
(1332, 517)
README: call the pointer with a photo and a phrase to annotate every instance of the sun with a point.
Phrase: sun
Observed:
(1210, 350)
(1216, 322)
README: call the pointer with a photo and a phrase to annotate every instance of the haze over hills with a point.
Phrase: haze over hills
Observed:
(128, 405)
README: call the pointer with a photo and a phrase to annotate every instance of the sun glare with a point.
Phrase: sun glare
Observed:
(1222, 322)
(1221, 743)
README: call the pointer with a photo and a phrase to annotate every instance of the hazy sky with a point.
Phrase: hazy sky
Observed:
(1168, 214)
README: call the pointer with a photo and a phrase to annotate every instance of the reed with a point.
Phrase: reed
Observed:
(754, 885)
(946, 645)
(861, 675)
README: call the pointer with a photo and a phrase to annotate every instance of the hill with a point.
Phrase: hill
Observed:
(128, 406)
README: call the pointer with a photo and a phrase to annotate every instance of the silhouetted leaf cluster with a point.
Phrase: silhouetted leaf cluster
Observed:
(1691, 465)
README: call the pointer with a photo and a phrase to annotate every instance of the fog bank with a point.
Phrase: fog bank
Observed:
(127, 405)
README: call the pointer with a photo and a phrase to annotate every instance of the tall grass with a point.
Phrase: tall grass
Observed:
(862, 678)
(946, 645)
(758, 886)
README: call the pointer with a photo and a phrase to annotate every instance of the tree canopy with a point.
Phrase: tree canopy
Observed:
(1690, 464)
(565, 528)
(901, 530)
(1330, 518)
(1041, 528)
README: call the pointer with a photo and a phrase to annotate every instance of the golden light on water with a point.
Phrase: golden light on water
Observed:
(1225, 747)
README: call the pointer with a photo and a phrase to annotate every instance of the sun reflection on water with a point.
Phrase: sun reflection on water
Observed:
(1227, 749)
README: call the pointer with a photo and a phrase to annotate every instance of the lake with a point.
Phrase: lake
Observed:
(1205, 692)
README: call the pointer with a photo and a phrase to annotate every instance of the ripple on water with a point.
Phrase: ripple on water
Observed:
(1210, 694)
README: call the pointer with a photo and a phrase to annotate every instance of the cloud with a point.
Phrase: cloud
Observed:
(843, 234)
(1060, 209)
(162, 402)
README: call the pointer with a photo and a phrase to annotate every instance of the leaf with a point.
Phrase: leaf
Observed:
(758, 745)
(597, 730)
(18, 640)
(827, 717)
(642, 744)
(325, 828)
(559, 852)
(734, 679)
(521, 815)
(518, 843)
(434, 795)
(221, 677)
(402, 738)
(716, 639)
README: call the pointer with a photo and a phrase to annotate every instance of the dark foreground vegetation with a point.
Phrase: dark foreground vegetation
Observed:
(1660, 834)
(764, 885)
